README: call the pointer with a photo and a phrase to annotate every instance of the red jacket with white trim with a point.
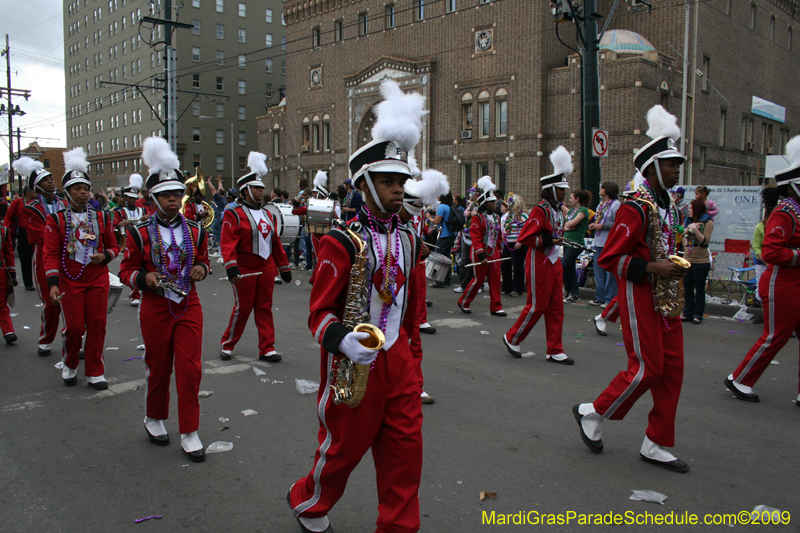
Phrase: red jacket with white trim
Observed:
(149, 209)
(7, 257)
(782, 238)
(194, 211)
(34, 220)
(241, 236)
(481, 249)
(539, 228)
(55, 235)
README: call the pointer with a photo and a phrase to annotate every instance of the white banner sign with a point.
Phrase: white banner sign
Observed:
(739, 212)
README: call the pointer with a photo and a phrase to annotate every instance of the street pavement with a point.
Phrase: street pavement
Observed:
(73, 459)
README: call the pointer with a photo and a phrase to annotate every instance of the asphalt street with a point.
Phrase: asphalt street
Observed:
(73, 459)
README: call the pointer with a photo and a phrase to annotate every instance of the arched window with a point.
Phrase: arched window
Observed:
(326, 132)
(466, 115)
(483, 114)
(501, 112)
(306, 133)
(276, 140)
(315, 133)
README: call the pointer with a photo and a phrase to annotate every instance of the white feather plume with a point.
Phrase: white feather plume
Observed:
(257, 163)
(25, 165)
(661, 123)
(561, 160)
(638, 180)
(793, 151)
(432, 185)
(485, 184)
(135, 181)
(399, 116)
(75, 159)
(321, 179)
(158, 156)
(412, 164)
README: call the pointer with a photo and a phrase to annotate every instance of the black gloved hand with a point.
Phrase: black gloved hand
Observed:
(286, 276)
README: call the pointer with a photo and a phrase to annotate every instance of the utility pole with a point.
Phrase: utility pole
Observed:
(11, 111)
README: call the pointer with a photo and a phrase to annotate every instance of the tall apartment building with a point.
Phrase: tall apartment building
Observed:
(231, 63)
(503, 92)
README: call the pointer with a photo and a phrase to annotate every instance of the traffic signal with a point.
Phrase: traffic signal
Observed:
(561, 10)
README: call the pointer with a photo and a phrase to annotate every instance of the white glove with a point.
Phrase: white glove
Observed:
(352, 348)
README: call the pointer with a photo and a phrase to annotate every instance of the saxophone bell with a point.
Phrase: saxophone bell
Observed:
(680, 261)
(376, 338)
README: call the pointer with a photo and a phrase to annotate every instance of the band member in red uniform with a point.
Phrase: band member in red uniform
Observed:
(8, 280)
(609, 314)
(389, 419)
(418, 194)
(319, 192)
(651, 329)
(146, 202)
(33, 219)
(779, 287)
(195, 210)
(253, 255)
(79, 243)
(543, 235)
(484, 230)
(19, 237)
(127, 215)
(164, 258)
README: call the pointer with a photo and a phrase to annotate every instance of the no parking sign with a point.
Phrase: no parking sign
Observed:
(599, 142)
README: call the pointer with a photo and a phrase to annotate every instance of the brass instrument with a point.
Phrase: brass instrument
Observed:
(120, 233)
(667, 293)
(349, 379)
(579, 246)
(167, 285)
(197, 182)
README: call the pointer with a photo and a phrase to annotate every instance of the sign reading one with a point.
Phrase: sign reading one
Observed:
(599, 142)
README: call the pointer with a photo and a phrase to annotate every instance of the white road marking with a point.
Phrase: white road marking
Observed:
(455, 323)
(21, 406)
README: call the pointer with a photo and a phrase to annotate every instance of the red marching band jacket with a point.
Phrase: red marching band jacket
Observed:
(11, 220)
(782, 241)
(331, 278)
(55, 236)
(34, 219)
(7, 257)
(240, 235)
(627, 251)
(149, 209)
(539, 229)
(480, 235)
(122, 213)
(194, 211)
(138, 261)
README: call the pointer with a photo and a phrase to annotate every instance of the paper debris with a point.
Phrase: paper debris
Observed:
(484, 332)
(297, 282)
(648, 496)
(760, 513)
(140, 347)
(305, 386)
(219, 447)
(112, 348)
(205, 393)
(39, 305)
(26, 327)
(484, 495)
(528, 354)
(773, 362)
(249, 412)
(223, 419)
(259, 372)
(14, 314)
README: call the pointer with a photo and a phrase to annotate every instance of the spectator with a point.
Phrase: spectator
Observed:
(513, 270)
(769, 198)
(603, 221)
(464, 243)
(352, 201)
(698, 227)
(275, 195)
(285, 196)
(219, 203)
(680, 203)
(444, 244)
(574, 228)
(701, 193)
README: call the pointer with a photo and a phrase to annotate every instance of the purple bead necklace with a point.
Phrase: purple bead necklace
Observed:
(792, 205)
(174, 262)
(69, 238)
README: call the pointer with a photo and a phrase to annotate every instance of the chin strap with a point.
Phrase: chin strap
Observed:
(794, 186)
(374, 193)
(658, 174)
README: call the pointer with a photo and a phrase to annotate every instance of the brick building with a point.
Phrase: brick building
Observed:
(503, 92)
(52, 158)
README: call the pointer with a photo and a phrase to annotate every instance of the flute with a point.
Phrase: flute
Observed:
(492, 261)
(169, 286)
(243, 276)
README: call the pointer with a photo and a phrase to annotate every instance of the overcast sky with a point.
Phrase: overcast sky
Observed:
(36, 35)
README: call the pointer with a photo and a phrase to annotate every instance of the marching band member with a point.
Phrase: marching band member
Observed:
(79, 244)
(195, 210)
(146, 202)
(164, 257)
(129, 214)
(543, 235)
(34, 219)
(13, 221)
(487, 240)
(417, 194)
(8, 280)
(251, 247)
(319, 192)
(652, 334)
(609, 314)
(389, 419)
(780, 284)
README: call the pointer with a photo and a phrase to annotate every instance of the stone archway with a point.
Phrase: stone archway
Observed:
(364, 135)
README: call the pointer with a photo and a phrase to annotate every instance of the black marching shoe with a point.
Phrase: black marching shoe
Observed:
(43, 353)
(71, 382)
(595, 445)
(161, 440)
(303, 528)
(747, 397)
(81, 354)
(515, 352)
(500, 313)
(271, 358)
(464, 310)
(99, 385)
(225, 356)
(428, 329)
(675, 466)
(10, 338)
(197, 456)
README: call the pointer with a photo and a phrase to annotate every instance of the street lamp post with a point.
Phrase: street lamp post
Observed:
(230, 124)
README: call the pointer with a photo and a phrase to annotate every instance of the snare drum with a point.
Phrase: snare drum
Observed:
(115, 290)
(320, 214)
(288, 225)
(437, 266)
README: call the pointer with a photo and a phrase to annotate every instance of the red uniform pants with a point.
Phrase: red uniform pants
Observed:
(84, 308)
(544, 281)
(172, 336)
(780, 294)
(422, 283)
(135, 295)
(482, 272)
(253, 295)
(415, 342)
(655, 363)
(388, 420)
(50, 311)
(5, 313)
(611, 312)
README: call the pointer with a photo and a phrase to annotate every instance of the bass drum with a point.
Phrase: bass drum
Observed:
(114, 292)
(320, 215)
(288, 225)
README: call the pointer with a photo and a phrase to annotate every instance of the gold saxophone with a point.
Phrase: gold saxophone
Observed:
(349, 379)
(667, 293)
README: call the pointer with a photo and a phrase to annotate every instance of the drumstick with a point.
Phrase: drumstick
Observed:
(492, 261)
(243, 276)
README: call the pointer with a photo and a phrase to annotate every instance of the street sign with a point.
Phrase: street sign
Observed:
(599, 142)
